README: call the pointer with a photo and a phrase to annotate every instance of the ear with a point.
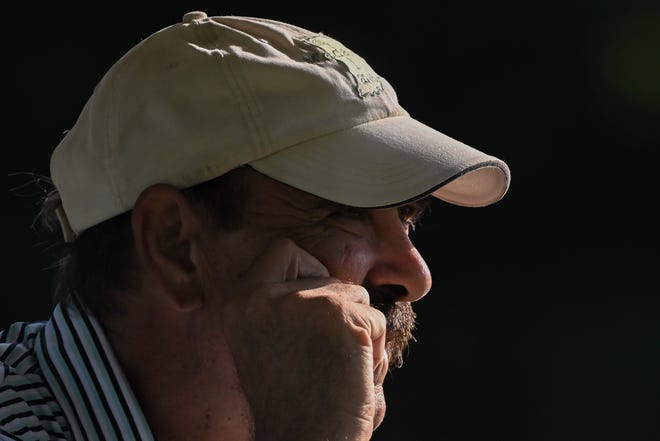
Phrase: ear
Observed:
(166, 230)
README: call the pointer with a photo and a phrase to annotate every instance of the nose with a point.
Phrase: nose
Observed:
(397, 263)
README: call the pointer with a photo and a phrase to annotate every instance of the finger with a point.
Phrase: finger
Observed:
(282, 260)
(374, 324)
(379, 337)
(345, 291)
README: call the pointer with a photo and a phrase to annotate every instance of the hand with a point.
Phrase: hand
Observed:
(309, 350)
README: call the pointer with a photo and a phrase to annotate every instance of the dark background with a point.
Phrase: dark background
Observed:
(543, 322)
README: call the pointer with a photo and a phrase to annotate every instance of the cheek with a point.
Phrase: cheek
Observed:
(346, 260)
(229, 256)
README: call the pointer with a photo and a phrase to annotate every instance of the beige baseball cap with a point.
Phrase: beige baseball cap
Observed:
(201, 97)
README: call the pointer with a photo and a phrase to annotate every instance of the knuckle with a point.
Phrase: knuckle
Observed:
(284, 244)
(361, 294)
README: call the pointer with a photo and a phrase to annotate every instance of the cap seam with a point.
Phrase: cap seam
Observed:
(328, 134)
(292, 28)
(107, 134)
(247, 102)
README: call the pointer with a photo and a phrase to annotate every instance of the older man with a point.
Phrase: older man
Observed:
(236, 197)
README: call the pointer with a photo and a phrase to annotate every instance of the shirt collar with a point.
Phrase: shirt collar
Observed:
(85, 377)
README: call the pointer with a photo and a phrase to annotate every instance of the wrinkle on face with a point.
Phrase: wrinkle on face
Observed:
(345, 246)
(283, 206)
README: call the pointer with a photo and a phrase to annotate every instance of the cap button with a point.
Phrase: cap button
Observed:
(193, 15)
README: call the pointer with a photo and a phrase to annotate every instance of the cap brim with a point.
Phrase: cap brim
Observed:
(388, 162)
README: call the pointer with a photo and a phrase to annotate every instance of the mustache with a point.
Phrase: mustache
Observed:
(401, 320)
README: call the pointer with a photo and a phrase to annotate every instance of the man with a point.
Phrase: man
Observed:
(236, 197)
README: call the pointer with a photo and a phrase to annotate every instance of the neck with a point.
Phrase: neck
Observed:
(182, 374)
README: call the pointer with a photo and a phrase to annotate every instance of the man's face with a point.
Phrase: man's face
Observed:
(368, 247)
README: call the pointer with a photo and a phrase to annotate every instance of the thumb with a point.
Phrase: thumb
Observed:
(282, 261)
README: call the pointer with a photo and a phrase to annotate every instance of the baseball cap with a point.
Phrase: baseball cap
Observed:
(201, 97)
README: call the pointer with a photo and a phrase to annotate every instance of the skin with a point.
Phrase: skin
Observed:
(266, 332)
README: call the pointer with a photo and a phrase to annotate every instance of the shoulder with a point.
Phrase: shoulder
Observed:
(27, 408)
(17, 348)
(17, 360)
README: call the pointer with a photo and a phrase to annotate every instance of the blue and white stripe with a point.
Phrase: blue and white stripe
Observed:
(61, 380)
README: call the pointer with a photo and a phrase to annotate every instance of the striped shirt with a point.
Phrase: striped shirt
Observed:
(60, 380)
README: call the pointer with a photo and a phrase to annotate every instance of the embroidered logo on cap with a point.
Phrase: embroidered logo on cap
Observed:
(368, 81)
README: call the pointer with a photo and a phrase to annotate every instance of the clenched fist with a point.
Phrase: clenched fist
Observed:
(309, 350)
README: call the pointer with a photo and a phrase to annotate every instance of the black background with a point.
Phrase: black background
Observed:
(543, 322)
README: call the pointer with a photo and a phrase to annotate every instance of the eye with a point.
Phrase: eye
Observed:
(410, 214)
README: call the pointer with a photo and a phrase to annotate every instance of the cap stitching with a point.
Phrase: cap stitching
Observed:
(110, 135)
(247, 103)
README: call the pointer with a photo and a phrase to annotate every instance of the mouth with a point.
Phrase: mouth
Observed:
(384, 297)
(401, 322)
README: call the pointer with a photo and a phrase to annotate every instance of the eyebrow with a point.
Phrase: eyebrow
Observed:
(425, 202)
(420, 207)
